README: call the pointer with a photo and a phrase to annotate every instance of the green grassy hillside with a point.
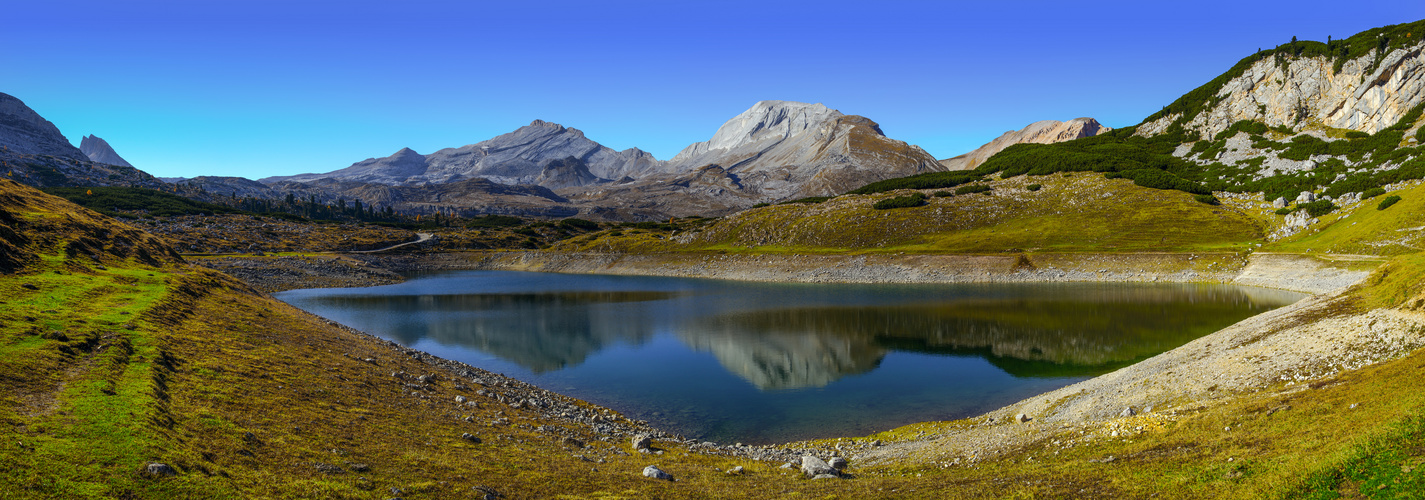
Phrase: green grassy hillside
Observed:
(1077, 212)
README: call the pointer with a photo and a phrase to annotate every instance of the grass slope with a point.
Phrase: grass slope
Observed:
(1396, 230)
(1069, 213)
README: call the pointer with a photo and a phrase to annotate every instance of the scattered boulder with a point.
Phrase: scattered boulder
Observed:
(1128, 412)
(642, 442)
(837, 463)
(470, 437)
(460, 399)
(654, 472)
(735, 470)
(825, 476)
(1022, 418)
(155, 469)
(1306, 197)
(812, 467)
(1279, 202)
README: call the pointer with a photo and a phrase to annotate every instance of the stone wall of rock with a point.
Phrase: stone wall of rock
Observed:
(1308, 91)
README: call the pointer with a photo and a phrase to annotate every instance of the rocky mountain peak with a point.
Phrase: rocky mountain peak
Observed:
(764, 122)
(1040, 132)
(99, 150)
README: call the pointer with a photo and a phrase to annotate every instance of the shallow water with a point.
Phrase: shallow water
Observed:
(762, 362)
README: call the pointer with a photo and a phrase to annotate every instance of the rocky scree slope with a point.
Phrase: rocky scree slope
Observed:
(1040, 132)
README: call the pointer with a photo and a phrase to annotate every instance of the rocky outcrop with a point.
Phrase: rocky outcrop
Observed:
(1040, 132)
(782, 149)
(1305, 91)
(519, 157)
(23, 131)
(99, 151)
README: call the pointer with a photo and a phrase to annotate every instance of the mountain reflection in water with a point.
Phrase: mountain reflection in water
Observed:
(783, 341)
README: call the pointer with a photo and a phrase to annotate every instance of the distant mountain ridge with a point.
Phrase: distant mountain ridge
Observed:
(1040, 132)
(519, 157)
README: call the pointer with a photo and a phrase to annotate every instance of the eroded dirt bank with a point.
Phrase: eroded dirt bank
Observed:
(1284, 271)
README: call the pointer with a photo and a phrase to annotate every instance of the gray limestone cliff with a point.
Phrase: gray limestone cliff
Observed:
(99, 151)
(1040, 132)
(1367, 94)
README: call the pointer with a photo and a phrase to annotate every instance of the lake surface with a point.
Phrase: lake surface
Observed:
(770, 362)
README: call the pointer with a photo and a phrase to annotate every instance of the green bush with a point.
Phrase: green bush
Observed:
(1387, 202)
(760, 205)
(1318, 208)
(115, 201)
(580, 224)
(933, 180)
(1284, 211)
(494, 221)
(974, 188)
(913, 200)
(1208, 199)
(1372, 193)
(943, 194)
(1033, 187)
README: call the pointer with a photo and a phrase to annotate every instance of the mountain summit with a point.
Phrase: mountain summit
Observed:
(99, 150)
(783, 149)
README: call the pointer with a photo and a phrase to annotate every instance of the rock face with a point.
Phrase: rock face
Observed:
(1040, 132)
(783, 149)
(520, 157)
(23, 131)
(99, 151)
(1304, 91)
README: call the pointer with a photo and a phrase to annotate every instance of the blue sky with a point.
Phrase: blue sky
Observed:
(256, 88)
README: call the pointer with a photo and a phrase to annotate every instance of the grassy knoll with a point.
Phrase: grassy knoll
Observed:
(1080, 212)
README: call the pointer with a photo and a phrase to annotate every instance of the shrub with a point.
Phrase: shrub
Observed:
(1318, 208)
(943, 194)
(1372, 193)
(933, 180)
(974, 188)
(760, 205)
(1387, 202)
(573, 223)
(494, 221)
(1208, 199)
(913, 200)
(1033, 187)
(1284, 211)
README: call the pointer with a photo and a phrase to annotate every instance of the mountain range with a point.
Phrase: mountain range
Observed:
(778, 151)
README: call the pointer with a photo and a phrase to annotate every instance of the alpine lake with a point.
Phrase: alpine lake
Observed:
(760, 363)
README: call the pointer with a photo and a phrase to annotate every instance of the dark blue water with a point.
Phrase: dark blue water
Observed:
(759, 362)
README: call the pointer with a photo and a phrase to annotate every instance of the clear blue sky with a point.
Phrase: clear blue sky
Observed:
(257, 88)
